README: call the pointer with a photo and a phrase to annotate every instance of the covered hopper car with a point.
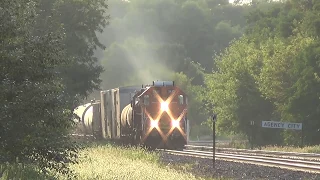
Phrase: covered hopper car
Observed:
(153, 115)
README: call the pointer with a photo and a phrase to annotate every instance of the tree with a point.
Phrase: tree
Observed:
(191, 24)
(33, 119)
(173, 36)
(232, 92)
(80, 20)
(36, 95)
(271, 73)
(288, 75)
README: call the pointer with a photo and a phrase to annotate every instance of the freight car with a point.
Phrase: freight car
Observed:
(153, 115)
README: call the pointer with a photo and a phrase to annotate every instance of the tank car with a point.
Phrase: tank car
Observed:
(88, 119)
(153, 115)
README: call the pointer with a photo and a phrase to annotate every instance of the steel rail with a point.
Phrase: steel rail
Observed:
(310, 166)
(261, 157)
(210, 142)
(81, 135)
(260, 152)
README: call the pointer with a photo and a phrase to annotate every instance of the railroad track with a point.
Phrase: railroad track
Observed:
(292, 155)
(294, 164)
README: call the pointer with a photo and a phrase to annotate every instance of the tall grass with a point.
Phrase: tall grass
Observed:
(104, 161)
(112, 162)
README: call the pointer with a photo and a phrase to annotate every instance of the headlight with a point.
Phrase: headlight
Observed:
(154, 123)
(164, 106)
(175, 123)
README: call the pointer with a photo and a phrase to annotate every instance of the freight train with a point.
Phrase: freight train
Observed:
(154, 115)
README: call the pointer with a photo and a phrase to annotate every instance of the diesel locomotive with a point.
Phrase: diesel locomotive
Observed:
(152, 115)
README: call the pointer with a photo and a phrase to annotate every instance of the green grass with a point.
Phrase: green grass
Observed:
(234, 144)
(105, 161)
(112, 162)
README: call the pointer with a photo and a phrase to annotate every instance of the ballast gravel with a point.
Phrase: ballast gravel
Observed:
(201, 167)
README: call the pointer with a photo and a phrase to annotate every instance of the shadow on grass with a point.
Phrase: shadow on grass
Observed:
(91, 142)
(100, 142)
(21, 172)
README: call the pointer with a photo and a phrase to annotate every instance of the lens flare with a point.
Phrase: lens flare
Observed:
(164, 106)
(175, 123)
(154, 124)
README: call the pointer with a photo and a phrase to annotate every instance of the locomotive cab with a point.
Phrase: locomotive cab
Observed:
(164, 108)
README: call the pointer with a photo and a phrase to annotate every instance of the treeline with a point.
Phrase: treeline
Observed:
(168, 39)
(47, 68)
(246, 63)
(271, 73)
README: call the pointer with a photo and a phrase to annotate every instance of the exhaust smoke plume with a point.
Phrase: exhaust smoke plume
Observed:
(130, 59)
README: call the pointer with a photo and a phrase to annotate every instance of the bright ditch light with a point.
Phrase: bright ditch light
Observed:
(154, 123)
(175, 123)
(164, 106)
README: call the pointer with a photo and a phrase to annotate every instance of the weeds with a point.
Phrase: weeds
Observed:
(113, 162)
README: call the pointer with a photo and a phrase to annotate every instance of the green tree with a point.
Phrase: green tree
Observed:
(232, 92)
(167, 37)
(191, 24)
(38, 46)
(80, 21)
(271, 73)
(33, 118)
(288, 76)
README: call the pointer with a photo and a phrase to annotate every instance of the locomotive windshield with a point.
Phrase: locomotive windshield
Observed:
(163, 94)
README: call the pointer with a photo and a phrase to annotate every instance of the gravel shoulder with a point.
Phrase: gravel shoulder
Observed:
(232, 170)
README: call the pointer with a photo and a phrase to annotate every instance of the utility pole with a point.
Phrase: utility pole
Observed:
(214, 119)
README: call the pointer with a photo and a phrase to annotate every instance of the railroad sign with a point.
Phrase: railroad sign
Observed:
(281, 125)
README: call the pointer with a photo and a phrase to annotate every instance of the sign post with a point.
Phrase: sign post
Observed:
(302, 137)
(252, 135)
(214, 119)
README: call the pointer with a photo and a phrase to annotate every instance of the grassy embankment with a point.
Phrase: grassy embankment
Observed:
(105, 161)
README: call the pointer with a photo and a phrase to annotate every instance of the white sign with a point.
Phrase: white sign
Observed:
(281, 125)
